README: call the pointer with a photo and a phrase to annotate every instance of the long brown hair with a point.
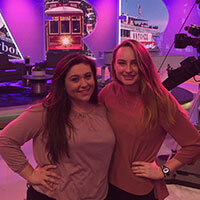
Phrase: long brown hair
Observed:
(58, 107)
(154, 95)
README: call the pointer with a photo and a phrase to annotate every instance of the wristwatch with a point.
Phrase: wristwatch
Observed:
(165, 170)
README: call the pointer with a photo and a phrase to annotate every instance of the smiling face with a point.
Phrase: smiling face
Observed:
(126, 67)
(79, 83)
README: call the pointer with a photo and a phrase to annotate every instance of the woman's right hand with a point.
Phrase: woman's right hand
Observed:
(43, 176)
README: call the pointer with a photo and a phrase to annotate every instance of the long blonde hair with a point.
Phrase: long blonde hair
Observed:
(154, 95)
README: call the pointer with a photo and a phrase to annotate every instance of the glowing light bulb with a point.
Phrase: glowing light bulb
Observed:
(66, 41)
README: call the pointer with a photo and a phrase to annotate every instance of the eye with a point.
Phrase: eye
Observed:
(121, 62)
(88, 76)
(75, 79)
(134, 62)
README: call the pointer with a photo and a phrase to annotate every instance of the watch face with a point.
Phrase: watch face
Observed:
(166, 171)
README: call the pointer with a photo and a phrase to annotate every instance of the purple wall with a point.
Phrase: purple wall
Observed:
(105, 35)
(25, 20)
(178, 11)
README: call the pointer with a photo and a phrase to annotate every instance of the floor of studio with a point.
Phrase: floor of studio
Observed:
(12, 186)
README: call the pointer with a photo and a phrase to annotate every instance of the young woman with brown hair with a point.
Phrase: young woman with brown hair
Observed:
(72, 139)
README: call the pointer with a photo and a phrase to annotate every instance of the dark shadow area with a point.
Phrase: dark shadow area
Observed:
(15, 96)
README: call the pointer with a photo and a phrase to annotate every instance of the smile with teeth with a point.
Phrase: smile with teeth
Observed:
(84, 91)
(128, 77)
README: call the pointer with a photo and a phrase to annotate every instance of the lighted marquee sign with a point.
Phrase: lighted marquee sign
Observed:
(7, 42)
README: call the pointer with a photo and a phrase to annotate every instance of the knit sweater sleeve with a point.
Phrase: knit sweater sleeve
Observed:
(24, 128)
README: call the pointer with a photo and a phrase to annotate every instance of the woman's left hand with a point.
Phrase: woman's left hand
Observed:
(147, 170)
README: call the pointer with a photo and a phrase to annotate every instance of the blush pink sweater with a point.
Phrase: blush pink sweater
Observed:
(85, 173)
(134, 143)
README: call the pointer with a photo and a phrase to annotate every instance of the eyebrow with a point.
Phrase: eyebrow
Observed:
(77, 75)
(121, 59)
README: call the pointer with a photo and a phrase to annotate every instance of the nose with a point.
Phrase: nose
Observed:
(128, 68)
(84, 82)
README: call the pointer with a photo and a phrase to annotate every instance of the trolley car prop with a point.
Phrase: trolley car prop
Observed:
(65, 28)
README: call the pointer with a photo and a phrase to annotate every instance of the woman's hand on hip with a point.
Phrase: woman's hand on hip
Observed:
(42, 176)
(147, 170)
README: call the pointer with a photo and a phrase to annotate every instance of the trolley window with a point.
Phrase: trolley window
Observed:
(53, 26)
(76, 26)
(65, 26)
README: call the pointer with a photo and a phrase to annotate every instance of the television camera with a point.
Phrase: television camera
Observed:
(190, 66)
(182, 40)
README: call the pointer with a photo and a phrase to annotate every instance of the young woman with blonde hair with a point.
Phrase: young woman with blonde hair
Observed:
(141, 112)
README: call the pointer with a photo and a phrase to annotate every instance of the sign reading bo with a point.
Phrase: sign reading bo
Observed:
(7, 42)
